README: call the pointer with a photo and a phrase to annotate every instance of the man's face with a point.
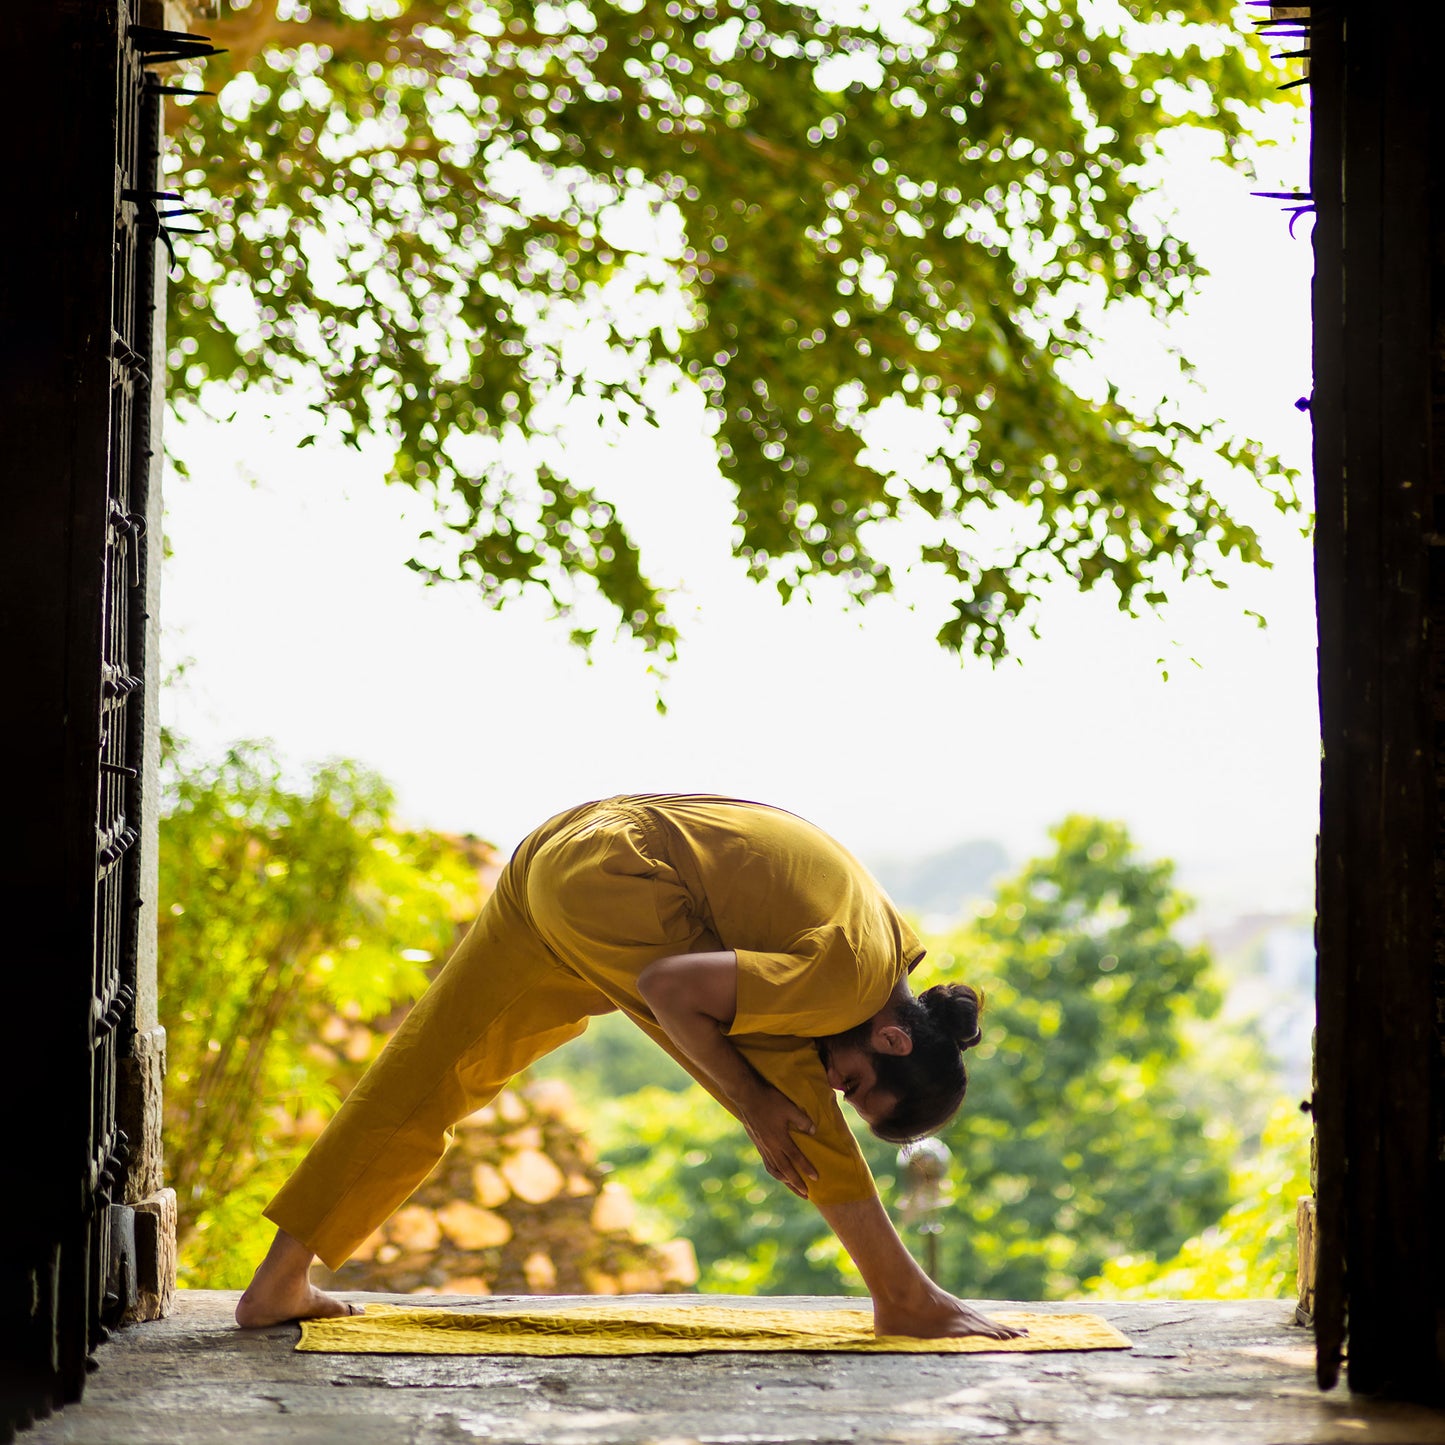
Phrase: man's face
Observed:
(850, 1066)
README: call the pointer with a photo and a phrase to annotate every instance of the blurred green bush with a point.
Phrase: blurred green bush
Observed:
(284, 905)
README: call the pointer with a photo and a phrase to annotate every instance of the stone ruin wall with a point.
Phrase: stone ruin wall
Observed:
(519, 1205)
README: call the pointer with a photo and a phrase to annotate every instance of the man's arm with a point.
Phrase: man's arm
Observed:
(694, 997)
(905, 1300)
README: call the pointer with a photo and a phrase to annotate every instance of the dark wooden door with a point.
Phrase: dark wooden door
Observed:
(1378, 181)
(79, 385)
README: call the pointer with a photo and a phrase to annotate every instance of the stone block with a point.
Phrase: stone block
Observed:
(155, 1257)
(679, 1262)
(471, 1227)
(539, 1272)
(533, 1177)
(1305, 1224)
(614, 1210)
(469, 1284)
(491, 1189)
(415, 1228)
(119, 1296)
(138, 1111)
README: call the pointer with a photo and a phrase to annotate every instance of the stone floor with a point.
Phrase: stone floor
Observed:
(1241, 1373)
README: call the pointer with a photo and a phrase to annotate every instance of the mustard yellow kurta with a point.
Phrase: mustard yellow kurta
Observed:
(586, 903)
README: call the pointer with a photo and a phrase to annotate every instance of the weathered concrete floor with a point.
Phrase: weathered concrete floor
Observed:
(1241, 1373)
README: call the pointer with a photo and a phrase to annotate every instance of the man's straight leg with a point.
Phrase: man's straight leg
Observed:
(502, 1001)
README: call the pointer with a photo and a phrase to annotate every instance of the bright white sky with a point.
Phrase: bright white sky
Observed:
(287, 593)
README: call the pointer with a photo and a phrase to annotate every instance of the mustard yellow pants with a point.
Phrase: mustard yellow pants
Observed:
(586, 903)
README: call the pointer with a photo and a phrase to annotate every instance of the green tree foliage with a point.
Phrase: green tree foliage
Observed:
(455, 221)
(1252, 1252)
(281, 906)
(1078, 1141)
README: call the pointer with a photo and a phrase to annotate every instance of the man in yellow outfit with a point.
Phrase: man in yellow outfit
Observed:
(753, 948)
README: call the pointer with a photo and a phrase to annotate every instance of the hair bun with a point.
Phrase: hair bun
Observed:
(955, 1008)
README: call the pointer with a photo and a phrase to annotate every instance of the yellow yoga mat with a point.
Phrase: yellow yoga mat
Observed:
(658, 1329)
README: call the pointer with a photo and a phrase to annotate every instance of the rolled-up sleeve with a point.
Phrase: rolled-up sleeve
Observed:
(792, 1066)
(815, 986)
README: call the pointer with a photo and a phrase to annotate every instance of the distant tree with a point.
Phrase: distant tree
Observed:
(1078, 1141)
(447, 220)
(284, 908)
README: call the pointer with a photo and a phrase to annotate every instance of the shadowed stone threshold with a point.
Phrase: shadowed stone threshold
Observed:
(1241, 1373)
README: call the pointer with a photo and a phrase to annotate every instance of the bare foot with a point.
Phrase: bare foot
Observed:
(938, 1316)
(281, 1289)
